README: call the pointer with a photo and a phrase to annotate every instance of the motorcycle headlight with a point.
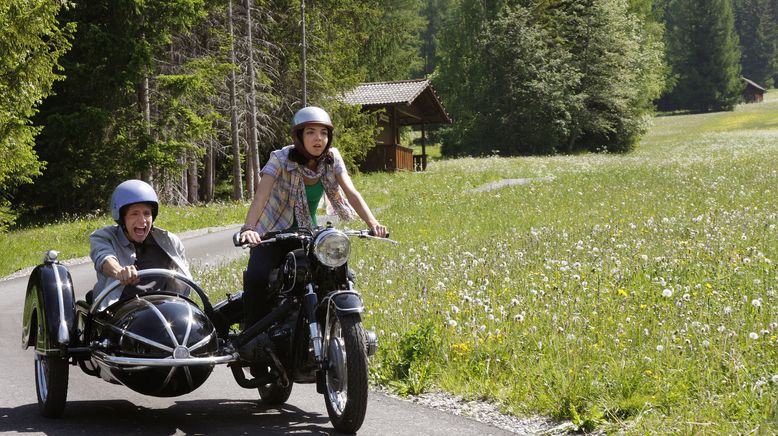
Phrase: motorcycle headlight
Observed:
(332, 248)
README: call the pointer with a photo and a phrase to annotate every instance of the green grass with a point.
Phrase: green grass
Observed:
(628, 293)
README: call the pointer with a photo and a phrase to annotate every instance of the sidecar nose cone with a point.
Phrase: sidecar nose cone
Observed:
(159, 326)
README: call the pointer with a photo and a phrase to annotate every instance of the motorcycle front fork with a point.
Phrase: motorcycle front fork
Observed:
(310, 301)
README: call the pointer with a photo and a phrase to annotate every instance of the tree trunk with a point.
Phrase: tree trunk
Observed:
(192, 188)
(249, 164)
(237, 182)
(145, 104)
(252, 100)
(208, 174)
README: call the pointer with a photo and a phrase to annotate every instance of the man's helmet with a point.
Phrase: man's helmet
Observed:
(310, 115)
(131, 192)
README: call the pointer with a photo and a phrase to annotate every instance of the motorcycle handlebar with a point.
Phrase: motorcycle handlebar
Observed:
(367, 234)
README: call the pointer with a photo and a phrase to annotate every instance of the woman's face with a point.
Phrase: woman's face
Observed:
(138, 221)
(315, 137)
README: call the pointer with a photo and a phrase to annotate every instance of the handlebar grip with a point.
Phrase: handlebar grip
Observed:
(370, 233)
(236, 240)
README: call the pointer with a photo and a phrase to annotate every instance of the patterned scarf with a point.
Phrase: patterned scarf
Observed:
(331, 188)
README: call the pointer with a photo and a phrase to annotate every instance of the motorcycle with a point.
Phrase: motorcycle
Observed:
(162, 337)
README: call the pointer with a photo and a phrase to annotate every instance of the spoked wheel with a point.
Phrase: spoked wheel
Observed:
(346, 378)
(51, 382)
(275, 393)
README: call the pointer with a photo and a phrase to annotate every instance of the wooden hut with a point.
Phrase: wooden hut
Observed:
(753, 93)
(406, 103)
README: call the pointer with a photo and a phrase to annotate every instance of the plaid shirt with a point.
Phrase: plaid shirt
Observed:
(278, 214)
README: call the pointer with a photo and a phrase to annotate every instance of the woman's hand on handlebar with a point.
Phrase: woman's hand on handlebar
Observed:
(250, 237)
(379, 230)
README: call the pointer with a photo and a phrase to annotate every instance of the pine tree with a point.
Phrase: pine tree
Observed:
(31, 43)
(758, 33)
(702, 49)
(393, 48)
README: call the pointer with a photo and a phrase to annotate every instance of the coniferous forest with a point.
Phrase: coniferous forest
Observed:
(193, 94)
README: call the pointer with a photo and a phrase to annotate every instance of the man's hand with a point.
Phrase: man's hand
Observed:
(127, 275)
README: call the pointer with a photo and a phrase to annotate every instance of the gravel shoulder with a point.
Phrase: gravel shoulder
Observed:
(487, 413)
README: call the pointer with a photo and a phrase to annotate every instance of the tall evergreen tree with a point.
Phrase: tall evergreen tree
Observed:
(31, 43)
(702, 49)
(758, 34)
(434, 11)
(393, 48)
(97, 130)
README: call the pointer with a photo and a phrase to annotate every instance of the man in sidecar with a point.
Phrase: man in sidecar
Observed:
(134, 243)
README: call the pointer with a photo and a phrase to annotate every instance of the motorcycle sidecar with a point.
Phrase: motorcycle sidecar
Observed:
(150, 337)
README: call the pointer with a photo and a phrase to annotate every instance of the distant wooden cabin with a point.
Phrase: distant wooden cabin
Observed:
(753, 93)
(407, 103)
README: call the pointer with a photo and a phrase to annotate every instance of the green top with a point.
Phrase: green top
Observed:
(314, 193)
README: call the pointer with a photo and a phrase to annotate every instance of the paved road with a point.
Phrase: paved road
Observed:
(220, 406)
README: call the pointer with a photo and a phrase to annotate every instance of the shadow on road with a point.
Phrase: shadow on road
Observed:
(184, 417)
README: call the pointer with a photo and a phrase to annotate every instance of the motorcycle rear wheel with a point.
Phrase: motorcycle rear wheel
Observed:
(51, 384)
(346, 378)
(275, 393)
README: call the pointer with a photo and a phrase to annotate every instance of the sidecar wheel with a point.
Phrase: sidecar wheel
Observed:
(274, 393)
(346, 378)
(51, 383)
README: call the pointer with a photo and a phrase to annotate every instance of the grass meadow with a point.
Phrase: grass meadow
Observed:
(627, 293)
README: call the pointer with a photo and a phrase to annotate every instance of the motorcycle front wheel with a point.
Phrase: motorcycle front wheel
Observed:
(346, 376)
(51, 384)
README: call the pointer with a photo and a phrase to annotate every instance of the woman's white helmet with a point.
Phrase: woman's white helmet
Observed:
(304, 117)
(310, 115)
(131, 192)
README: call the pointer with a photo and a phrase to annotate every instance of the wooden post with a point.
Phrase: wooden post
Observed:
(423, 148)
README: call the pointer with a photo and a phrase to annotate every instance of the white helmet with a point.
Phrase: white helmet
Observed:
(303, 117)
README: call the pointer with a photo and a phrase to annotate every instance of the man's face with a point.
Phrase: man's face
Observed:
(138, 220)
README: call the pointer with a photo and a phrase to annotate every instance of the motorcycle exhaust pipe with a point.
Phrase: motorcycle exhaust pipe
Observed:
(240, 376)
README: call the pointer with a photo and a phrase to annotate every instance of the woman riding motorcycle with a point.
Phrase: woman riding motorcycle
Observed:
(292, 183)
